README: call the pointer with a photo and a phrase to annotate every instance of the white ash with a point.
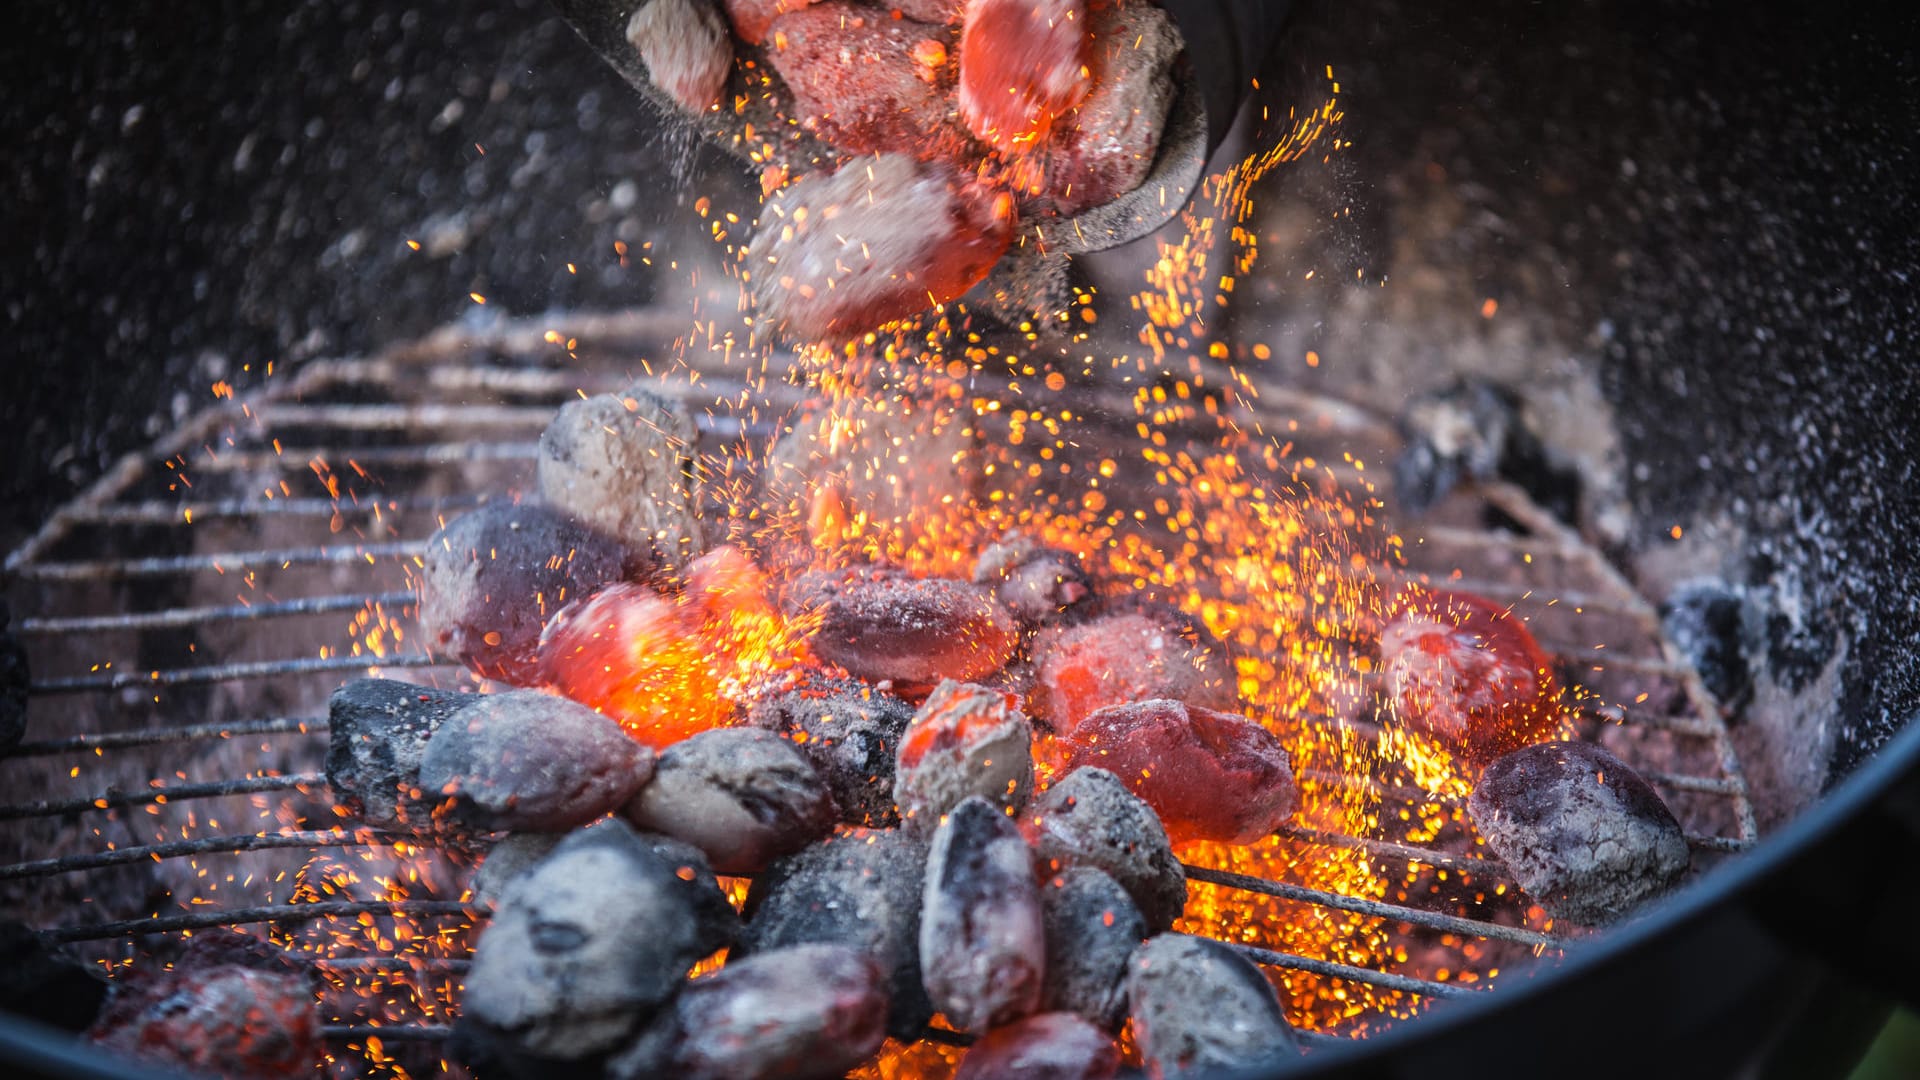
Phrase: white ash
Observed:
(982, 943)
(742, 795)
(687, 50)
(623, 463)
(861, 889)
(965, 740)
(1089, 818)
(531, 761)
(1200, 1007)
(586, 946)
(1583, 834)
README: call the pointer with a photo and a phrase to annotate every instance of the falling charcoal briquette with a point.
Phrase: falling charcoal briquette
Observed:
(490, 579)
(225, 1008)
(1036, 583)
(848, 729)
(1124, 657)
(1091, 819)
(1583, 834)
(809, 1012)
(1050, 1046)
(1200, 1007)
(530, 761)
(982, 947)
(1092, 928)
(885, 624)
(1208, 775)
(964, 740)
(686, 49)
(742, 795)
(623, 464)
(585, 946)
(861, 889)
(377, 732)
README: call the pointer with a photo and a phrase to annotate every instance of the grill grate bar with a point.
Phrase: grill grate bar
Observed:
(111, 799)
(201, 920)
(162, 512)
(198, 616)
(111, 569)
(120, 740)
(397, 1033)
(1451, 924)
(418, 454)
(1385, 979)
(205, 846)
(250, 669)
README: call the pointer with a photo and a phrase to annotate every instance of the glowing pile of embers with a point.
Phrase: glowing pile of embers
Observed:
(958, 797)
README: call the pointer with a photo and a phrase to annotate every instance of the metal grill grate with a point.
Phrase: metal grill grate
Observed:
(176, 613)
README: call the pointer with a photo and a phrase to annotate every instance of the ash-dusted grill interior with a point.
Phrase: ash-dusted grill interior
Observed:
(187, 618)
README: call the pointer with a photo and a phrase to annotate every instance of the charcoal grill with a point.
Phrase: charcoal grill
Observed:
(187, 616)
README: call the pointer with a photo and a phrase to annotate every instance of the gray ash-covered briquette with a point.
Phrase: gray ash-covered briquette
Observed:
(530, 761)
(1092, 928)
(1046, 1046)
(982, 944)
(377, 733)
(585, 947)
(860, 888)
(1583, 834)
(686, 48)
(964, 740)
(742, 795)
(1037, 584)
(490, 579)
(883, 624)
(809, 1012)
(1089, 818)
(623, 464)
(848, 729)
(508, 858)
(1199, 1007)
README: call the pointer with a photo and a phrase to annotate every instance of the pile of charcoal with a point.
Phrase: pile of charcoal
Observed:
(947, 124)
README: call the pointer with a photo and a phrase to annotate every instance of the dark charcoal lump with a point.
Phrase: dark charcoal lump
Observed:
(1092, 928)
(742, 795)
(1037, 584)
(982, 943)
(862, 889)
(1583, 834)
(883, 624)
(1200, 1007)
(508, 858)
(1049, 1046)
(1091, 819)
(1712, 625)
(377, 732)
(1475, 430)
(532, 761)
(849, 730)
(585, 947)
(13, 685)
(42, 982)
(809, 1012)
(492, 577)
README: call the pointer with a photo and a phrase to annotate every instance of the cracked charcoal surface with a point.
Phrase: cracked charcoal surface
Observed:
(493, 576)
(532, 761)
(1091, 819)
(1583, 834)
(861, 889)
(585, 946)
(377, 733)
(982, 946)
(849, 730)
(742, 795)
(1199, 1007)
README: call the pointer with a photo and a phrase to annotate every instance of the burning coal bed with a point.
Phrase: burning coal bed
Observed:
(743, 812)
